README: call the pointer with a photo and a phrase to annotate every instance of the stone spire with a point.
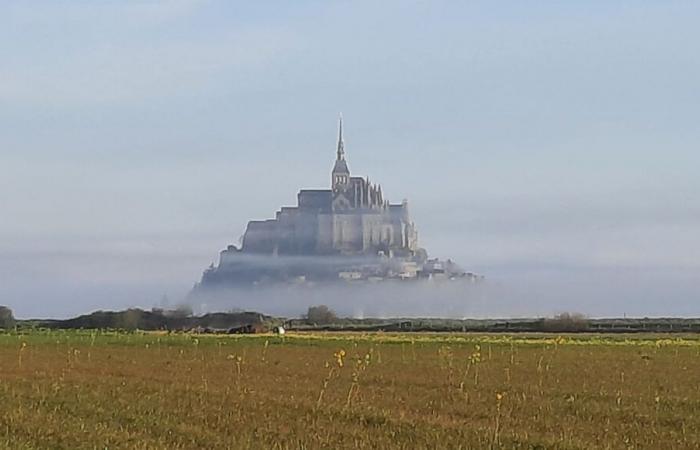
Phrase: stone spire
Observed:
(340, 177)
(341, 144)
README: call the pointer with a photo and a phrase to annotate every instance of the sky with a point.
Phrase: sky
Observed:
(550, 146)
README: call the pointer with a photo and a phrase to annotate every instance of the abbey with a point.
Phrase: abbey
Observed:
(350, 218)
(347, 233)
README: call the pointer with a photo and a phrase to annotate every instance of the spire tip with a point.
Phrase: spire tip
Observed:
(341, 144)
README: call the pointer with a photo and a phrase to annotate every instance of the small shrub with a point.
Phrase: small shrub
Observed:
(566, 322)
(180, 312)
(7, 320)
(321, 315)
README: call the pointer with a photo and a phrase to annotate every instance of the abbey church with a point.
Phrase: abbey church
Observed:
(347, 232)
(350, 218)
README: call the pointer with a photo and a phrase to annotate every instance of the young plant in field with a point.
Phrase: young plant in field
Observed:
(324, 386)
(473, 360)
(512, 354)
(72, 357)
(361, 364)
(332, 370)
(618, 398)
(540, 372)
(497, 422)
(339, 355)
(446, 362)
(22, 348)
(264, 352)
(238, 361)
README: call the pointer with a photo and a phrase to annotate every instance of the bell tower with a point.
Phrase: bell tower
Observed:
(340, 177)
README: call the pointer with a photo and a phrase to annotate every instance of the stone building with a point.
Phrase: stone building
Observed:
(348, 233)
(350, 218)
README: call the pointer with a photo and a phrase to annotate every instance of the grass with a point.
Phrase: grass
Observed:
(97, 390)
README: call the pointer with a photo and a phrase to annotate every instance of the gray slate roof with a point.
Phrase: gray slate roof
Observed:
(341, 166)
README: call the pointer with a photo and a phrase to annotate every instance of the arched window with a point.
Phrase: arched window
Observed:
(387, 235)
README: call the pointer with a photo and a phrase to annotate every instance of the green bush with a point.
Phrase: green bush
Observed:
(7, 320)
(320, 315)
(566, 322)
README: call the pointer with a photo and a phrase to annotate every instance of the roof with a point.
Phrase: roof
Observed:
(341, 166)
(315, 191)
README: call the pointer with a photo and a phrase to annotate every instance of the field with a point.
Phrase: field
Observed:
(98, 390)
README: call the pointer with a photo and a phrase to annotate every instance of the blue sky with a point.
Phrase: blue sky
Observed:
(551, 146)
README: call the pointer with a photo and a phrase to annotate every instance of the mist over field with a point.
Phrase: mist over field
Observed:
(65, 284)
(455, 299)
(550, 148)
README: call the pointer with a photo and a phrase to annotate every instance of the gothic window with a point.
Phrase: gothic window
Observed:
(387, 235)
